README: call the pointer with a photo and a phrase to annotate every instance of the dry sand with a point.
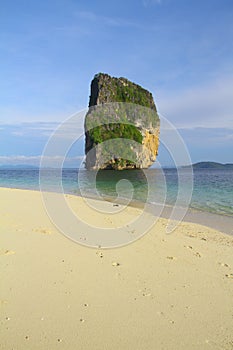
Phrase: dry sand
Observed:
(161, 292)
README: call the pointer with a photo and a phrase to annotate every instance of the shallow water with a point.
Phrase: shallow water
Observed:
(212, 189)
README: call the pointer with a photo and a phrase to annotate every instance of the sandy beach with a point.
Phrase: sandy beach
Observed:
(160, 292)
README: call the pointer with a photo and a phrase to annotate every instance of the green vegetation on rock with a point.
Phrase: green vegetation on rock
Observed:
(106, 132)
(106, 89)
(120, 109)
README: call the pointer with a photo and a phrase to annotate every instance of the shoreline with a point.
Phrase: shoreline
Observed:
(219, 222)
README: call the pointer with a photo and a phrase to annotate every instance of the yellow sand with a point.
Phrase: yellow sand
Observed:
(161, 292)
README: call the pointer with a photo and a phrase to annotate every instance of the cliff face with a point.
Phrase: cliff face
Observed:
(121, 126)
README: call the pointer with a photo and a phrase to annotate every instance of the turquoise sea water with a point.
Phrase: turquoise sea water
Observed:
(212, 191)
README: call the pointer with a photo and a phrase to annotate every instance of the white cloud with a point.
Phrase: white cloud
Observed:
(29, 130)
(106, 20)
(20, 159)
(35, 160)
(208, 106)
(147, 3)
(67, 129)
(17, 133)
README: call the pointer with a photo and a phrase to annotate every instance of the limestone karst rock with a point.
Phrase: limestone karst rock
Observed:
(121, 125)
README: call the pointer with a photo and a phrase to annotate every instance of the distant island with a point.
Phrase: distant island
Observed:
(211, 165)
(199, 165)
(18, 167)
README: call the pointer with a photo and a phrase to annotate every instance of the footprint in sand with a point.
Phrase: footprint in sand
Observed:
(223, 264)
(7, 252)
(198, 255)
(191, 248)
(145, 292)
(100, 254)
(44, 231)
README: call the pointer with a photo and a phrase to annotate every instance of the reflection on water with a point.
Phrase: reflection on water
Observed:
(138, 185)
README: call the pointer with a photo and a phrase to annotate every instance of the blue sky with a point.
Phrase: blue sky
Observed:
(180, 50)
